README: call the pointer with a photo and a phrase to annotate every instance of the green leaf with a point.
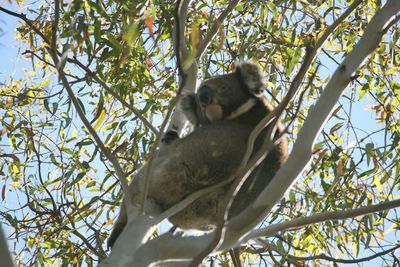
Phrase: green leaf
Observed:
(113, 42)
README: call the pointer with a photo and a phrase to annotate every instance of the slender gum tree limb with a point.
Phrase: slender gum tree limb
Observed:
(320, 217)
(105, 150)
(296, 260)
(115, 95)
(331, 259)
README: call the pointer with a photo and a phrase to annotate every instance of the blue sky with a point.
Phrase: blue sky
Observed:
(8, 48)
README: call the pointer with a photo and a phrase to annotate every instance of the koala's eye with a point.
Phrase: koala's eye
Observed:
(206, 94)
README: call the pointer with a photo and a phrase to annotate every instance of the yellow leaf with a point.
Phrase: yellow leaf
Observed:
(378, 184)
(84, 150)
(390, 229)
(15, 168)
(100, 120)
(392, 71)
(45, 82)
(15, 184)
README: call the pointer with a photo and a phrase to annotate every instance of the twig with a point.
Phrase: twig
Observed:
(86, 242)
(320, 217)
(271, 255)
(295, 114)
(192, 197)
(39, 163)
(105, 150)
(345, 261)
(115, 95)
(54, 27)
(180, 10)
(272, 247)
(27, 21)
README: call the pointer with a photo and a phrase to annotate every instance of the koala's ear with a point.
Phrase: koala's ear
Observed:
(252, 76)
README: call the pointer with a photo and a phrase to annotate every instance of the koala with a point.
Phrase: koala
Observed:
(224, 111)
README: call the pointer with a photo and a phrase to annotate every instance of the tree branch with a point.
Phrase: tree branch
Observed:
(320, 217)
(105, 150)
(115, 95)
(328, 258)
(27, 21)
(54, 27)
(272, 247)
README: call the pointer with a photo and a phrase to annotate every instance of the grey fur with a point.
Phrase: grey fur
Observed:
(211, 153)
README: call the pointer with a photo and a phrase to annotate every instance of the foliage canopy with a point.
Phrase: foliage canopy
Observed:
(59, 191)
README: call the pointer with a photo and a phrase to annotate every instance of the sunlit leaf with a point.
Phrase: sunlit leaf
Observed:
(100, 120)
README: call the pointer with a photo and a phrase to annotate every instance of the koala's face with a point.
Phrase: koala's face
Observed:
(219, 97)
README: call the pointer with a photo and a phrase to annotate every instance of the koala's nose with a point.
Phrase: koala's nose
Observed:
(206, 95)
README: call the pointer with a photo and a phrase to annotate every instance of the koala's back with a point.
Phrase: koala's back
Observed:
(207, 156)
(201, 159)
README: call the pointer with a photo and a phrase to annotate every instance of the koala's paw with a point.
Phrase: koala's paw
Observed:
(169, 137)
(252, 76)
(189, 107)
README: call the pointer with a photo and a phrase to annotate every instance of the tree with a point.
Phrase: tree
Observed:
(104, 80)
